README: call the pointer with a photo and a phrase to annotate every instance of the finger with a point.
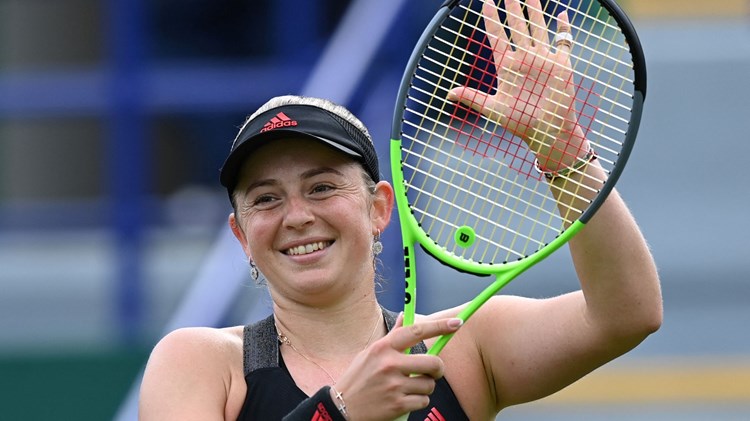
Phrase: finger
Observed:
(469, 97)
(476, 100)
(536, 20)
(563, 24)
(563, 27)
(415, 402)
(495, 31)
(519, 33)
(408, 336)
(419, 385)
(426, 365)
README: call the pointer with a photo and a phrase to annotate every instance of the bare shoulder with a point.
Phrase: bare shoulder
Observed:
(198, 348)
(194, 362)
(198, 339)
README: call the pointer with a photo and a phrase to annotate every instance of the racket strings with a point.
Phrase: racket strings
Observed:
(541, 227)
(519, 186)
(586, 78)
(459, 55)
(619, 127)
(584, 44)
(612, 103)
(458, 188)
(496, 197)
(483, 224)
(464, 170)
(606, 57)
(606, 51)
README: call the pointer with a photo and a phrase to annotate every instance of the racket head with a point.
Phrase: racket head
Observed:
(467, 189)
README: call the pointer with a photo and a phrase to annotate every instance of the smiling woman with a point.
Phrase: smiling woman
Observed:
(309, 207)
(296, 202)
(308, 210)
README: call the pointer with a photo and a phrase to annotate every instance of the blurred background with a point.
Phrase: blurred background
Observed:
(115, 117)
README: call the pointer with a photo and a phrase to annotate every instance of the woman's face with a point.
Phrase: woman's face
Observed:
(307, 219)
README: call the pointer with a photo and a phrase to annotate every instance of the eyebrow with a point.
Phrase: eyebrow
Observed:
(305, 175)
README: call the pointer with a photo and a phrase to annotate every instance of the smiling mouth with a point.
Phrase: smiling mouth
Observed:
(308, 248)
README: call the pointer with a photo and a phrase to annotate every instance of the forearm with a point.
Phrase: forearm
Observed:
(617, 272)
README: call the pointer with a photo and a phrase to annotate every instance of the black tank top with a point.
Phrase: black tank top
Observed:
(272, 393)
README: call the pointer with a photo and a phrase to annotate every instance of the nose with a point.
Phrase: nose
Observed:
(298, 212)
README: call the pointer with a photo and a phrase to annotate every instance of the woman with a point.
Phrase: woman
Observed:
(309, 207)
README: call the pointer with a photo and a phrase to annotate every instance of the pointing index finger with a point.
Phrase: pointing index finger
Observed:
(405, 337)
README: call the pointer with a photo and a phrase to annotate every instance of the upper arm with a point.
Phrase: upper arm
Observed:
(532, 348)
(187, 377)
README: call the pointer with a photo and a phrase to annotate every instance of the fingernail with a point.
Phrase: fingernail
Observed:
(455, 323)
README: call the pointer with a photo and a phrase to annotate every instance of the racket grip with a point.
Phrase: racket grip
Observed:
(403, 417)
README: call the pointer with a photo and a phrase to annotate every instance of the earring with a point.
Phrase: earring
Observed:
(377, 246)
(254, 272)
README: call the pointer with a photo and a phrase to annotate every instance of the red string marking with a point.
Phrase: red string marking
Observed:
(465, 121)
(533, 92)
(588, 109)
(470, 135)
(586, 117)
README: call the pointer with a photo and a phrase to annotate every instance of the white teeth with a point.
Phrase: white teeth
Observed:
(307, 248)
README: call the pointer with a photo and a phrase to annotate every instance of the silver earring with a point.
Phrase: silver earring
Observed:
(377, 246)
(254, 272)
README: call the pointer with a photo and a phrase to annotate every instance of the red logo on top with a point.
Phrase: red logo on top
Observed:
(279, 121)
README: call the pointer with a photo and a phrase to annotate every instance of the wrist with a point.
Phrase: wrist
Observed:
(338, 400)
(565, 171)
(559, 151)
(321, 405)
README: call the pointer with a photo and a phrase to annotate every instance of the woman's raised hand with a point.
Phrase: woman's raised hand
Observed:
(535, 92)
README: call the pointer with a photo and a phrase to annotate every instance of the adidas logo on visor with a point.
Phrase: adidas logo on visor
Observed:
(279, 121)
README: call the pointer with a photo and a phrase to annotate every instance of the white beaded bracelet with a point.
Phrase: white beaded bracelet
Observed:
(577, 165)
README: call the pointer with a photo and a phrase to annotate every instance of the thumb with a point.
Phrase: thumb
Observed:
(472, 98)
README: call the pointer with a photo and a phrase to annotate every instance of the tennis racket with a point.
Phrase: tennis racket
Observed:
(512, 124)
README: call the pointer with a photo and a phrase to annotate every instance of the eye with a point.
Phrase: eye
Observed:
(264, 201)
(322, 188)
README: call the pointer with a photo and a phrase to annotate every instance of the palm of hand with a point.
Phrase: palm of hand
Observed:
(534, 96)
(535, 90)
